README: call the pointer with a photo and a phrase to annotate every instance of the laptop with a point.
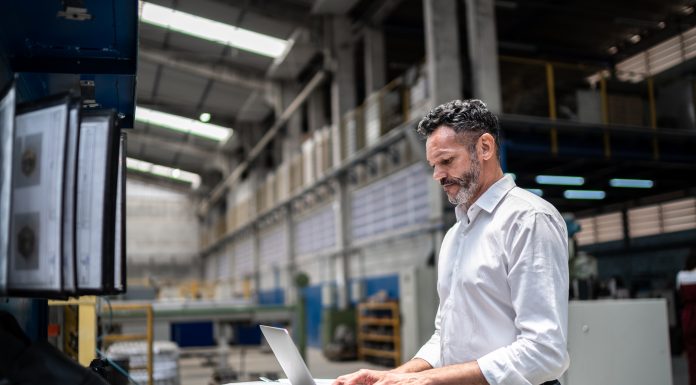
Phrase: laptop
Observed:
(289, 357)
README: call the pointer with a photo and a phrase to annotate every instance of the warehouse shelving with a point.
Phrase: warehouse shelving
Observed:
(379, 331)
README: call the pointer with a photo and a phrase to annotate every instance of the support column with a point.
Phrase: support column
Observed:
(375, 60)
(343, 240)
(343, 96)
(343, 99)
(483, 53)
(293, 292)
(256, 234)
(442, 50)
(293, 138)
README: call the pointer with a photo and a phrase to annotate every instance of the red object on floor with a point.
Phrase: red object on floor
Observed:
(688, 318)
(53, 330)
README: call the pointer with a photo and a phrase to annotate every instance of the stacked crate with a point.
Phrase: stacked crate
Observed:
(322, 152)
(203, 236)
(165, 361)
(418, 95)
(270, 192)
(337, 148)
(260, 196)
(308, 162)
(393, 100)
(245, 211)
(219, 227)
(231, 217)
(283, 182)
(296, 178)
(373, 118)
(353, 133)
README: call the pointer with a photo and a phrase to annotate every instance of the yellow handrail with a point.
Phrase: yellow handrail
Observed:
(551, 88)
(653, 116)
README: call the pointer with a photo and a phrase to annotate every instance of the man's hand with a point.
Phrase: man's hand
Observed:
(361, 377)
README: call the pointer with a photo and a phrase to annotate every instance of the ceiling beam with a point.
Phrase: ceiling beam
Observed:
(159, 181)
(287, 12)
(218, 72)
(376, 13)
(333, 7)
(173, 145)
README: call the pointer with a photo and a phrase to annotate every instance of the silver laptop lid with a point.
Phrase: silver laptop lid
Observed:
(287, 355)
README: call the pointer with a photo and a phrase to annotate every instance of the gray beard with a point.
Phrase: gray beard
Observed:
(469, 184)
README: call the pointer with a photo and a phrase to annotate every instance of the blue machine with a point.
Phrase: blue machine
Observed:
(49, 47)
(86, 45)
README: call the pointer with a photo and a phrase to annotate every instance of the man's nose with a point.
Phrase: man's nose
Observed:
(438, 174)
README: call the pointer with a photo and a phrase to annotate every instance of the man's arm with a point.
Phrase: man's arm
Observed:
(369, 377)
(461, 374)
(413, 366)
(427, 357)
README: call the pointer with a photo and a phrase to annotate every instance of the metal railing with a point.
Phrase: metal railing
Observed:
(148, 336)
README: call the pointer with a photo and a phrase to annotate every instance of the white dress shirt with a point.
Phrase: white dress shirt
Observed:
(686, 277)
(503, 288)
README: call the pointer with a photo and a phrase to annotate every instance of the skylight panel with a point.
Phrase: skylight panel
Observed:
(163, 171)
(212, 30)
(182, 124)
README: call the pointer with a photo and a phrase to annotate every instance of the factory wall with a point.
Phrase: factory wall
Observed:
(392, 256)
(162, 232)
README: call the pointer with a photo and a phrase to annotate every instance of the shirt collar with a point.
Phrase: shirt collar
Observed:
(489, 199)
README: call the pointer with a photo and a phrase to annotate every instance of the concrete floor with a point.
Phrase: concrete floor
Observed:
(680, 370)
(198, 370)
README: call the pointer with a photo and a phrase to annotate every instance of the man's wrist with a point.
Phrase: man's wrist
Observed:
(412, 366)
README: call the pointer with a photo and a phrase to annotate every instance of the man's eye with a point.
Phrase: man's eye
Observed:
(447, 161)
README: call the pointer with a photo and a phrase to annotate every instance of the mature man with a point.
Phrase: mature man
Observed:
(502, 270)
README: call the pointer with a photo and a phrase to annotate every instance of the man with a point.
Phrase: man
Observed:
(502, 270)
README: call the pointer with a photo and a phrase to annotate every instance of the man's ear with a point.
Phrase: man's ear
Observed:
(487, 146)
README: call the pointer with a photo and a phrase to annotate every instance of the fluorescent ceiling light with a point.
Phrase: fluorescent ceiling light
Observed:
(536, 191)
(212, 30)
(631, 183)
(163, 171)
(181, 124)
(560, 180)
(584, 194)
(205, 117)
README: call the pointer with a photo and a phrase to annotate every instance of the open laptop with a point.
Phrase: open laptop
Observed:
(289, 357)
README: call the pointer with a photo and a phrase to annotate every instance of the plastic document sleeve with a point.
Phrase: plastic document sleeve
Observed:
(96, 202)
(7, 113)
(38, 175)
(120, 226)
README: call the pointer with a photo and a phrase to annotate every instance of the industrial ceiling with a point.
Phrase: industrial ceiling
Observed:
(187, 76)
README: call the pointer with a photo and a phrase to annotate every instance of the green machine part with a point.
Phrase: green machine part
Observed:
(331, 319)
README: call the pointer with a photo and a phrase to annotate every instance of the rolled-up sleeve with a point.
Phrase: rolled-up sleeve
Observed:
(538, 281)
(430, 351)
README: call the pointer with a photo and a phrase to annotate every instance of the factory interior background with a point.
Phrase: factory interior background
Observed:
(274, 174)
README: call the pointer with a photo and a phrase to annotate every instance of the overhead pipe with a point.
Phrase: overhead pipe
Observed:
(219, 190)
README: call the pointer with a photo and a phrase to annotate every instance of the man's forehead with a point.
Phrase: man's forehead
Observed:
(440, 149)
(443, 138)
